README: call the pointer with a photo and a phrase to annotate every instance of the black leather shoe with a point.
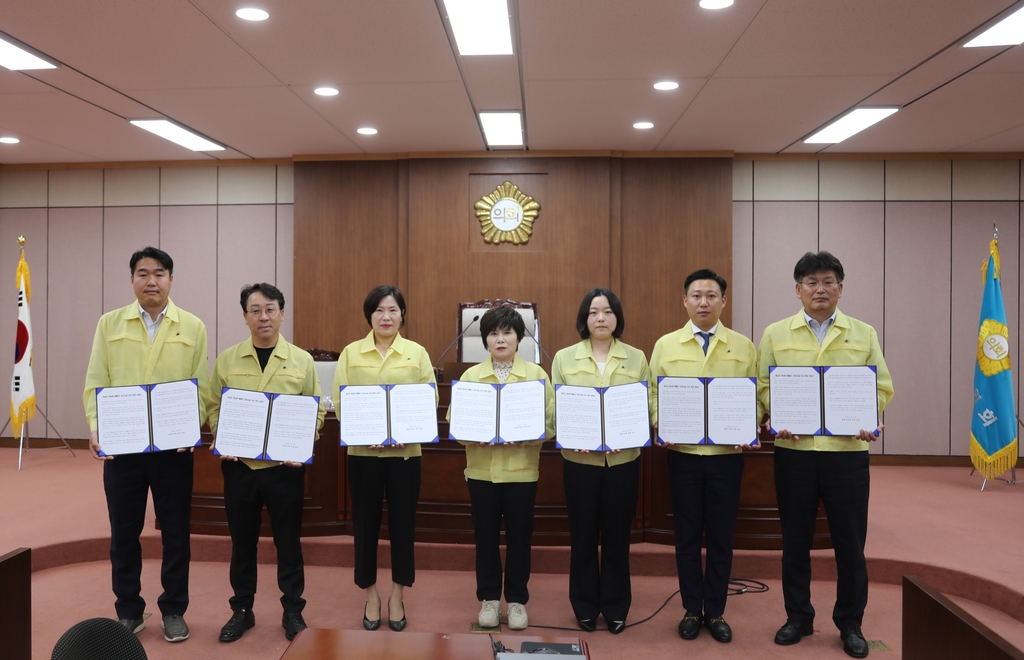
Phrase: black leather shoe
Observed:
(615, 627)
(240, 621)
(138, 625)
(791, 633)
(397, 626)
(719, 629)
(853, 641)
(689, 627)
(293, 624)
(371, 625)
(588, 625)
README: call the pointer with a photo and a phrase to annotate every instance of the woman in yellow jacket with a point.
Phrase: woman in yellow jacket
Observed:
(600, 488)
(383, 357)
(503, 478)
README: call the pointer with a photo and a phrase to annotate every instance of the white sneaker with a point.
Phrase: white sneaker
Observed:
(517, 619)
(490, 614)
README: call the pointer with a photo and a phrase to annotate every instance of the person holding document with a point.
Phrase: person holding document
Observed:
(383, 357)
(704, 478)
(831, 468)
(600, 487)
(149, 341)
(502, 477)
(265, 362)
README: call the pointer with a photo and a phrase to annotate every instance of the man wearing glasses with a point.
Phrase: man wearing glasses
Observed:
(833, 469)
(265, 363)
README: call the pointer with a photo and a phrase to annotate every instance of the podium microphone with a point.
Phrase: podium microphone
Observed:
(534, 337)
(437, 369)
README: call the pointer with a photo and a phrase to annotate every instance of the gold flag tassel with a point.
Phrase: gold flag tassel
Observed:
(996, 465)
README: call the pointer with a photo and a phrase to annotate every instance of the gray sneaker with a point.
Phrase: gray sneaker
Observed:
(175, 629)
(134, 625)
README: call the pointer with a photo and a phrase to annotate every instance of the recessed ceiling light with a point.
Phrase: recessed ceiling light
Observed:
(715, 4)
(502, 129)
(366, 130)
(177, 134)
(9, 140)
(481, 27)
(16, 58)
(849, 124)
(666, 85)
(1007, 32)
(643, 125)
(325, 91)
(252, 14)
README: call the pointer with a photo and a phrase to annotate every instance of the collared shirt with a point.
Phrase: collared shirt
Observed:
(792, 343)
(362, 364)
(820, 330)
(290, 370)
(576, 365)
(681, 354)
(123, 355)
(151, 325)
(515, 462)
(710, 333)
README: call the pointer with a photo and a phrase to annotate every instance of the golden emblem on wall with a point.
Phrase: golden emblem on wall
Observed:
(507, 215)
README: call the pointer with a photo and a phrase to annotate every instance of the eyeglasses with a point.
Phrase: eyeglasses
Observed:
(828, 285)
(256, 312)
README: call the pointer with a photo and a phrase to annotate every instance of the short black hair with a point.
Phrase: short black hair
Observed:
(379, 293)
(502, 318)
(704, 274)
(584, 313)
(157, 254)
(268, 290)
(819, 262)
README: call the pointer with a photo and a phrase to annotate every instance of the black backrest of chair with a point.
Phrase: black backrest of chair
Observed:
(98, 639)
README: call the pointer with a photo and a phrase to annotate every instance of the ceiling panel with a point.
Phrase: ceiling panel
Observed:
(493, 81)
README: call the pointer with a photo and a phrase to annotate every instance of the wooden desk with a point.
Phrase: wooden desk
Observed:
(321, 644)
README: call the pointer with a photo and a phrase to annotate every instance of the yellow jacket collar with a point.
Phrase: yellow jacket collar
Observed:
(281, 350)
(518, 368)
(688, 333)
(367, 345)
(585, 350)
(132, 311)
(842, 321)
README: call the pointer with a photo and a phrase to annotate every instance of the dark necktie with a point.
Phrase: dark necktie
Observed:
(706, 336)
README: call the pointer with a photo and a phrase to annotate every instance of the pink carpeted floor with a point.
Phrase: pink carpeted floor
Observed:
(932, 522)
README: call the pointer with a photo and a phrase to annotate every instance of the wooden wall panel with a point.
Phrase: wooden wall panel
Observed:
(346, 242)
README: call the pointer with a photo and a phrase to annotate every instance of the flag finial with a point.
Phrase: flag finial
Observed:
(21, 241)
(995, 232)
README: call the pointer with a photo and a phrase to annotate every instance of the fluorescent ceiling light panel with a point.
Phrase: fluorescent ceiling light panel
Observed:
(849, 125)
(1007, 32)
(366, 130)
(715, 4)
(177, 134)
(666, 85)
(252, 14)
(502, 129)
(17, 58)
(481, 27)
(325, 91)
(643, 125)
(9, 140)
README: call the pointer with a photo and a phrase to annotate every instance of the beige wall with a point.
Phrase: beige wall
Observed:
(912, 236)
(223, 226)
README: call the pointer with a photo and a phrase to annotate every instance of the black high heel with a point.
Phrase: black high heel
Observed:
(397, 626)
(371, 625)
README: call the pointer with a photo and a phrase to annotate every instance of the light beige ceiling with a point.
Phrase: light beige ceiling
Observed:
(757, 77)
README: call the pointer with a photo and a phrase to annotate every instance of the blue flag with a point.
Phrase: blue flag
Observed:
(994, 422)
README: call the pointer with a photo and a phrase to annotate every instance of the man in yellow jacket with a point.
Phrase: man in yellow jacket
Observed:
(704, 479)
(149, 341)
(265, 362)
(833, 469)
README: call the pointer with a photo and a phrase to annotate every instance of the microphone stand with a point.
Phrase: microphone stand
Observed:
(437, 369)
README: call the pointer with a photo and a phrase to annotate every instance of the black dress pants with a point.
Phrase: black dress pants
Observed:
(841, 480)
(490, 503)
(601, 503)
(371, 479)
(705, 499)
(246, 490)
(127, 481)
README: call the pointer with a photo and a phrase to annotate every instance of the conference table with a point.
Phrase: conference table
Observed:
(324, 644)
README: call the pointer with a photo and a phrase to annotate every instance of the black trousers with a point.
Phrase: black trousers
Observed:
(841, 480)
(705, 500)
(127, 481)
(490, 503)
(372, 479)
(246, 490)
(601, 503)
